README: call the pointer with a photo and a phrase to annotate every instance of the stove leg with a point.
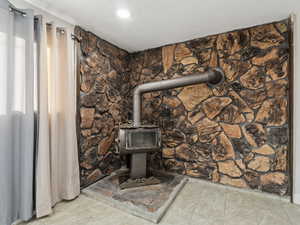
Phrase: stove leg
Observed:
(138, 167)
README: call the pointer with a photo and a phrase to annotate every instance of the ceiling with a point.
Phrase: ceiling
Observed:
(156, 23)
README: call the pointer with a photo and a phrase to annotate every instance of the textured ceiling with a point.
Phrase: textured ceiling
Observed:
(160, 22)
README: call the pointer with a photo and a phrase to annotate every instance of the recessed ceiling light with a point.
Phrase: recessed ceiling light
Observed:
(123, 13)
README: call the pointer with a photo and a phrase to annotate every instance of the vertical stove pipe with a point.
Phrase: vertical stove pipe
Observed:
(212, 77)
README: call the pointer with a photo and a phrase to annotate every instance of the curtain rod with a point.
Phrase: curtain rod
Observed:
(62, 30)
(14, 9)
(75, 38)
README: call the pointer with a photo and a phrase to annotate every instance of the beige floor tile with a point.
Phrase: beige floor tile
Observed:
(199, 220)
(199, 203)
(238, 220)
(176, 216)
(272, 219)
(211, 203)
(293, 212)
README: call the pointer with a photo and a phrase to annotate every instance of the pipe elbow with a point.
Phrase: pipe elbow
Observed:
(137, 90)
(140, 89)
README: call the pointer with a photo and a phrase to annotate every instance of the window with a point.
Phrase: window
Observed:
(13, 88)
(3, 72)
(19, 92)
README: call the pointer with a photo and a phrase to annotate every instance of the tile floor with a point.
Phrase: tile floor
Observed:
(199, 203)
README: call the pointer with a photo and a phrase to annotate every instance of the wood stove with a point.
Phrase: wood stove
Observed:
(137, 140)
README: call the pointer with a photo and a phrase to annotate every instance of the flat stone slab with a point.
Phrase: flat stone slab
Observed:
(148, 202)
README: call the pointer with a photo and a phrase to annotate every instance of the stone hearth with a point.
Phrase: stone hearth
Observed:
(148, 202)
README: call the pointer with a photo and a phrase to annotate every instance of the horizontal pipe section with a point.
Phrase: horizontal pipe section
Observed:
(212, 77)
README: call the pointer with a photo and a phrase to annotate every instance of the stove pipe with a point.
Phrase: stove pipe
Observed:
(212, 77)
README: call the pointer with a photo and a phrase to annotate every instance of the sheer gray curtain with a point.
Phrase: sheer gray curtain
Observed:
(16, 115)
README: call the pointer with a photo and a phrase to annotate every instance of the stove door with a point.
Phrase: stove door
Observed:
(142, 139)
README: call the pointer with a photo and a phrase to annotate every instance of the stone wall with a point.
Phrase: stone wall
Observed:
(235, 134)
(104, 84)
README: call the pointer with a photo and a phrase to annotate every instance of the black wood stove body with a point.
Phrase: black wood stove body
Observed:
(138, 141)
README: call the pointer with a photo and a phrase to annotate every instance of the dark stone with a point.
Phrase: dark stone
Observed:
(275, 188)
(278, 136)
(202, 43)
(236, 86)
(172, 138)
(113, 95)
(89, 142)
(89, 100)
(254, 98)
(254, 78)
(273, 112)
(277, 88)
(203, 170)
(284, 50)
(156, 161)
(109, 49)
(203, 151)
(241, 145)
(165, 112)
(248, 53)
(155, 70)
(88, 80)
(277, 69)
(88, 44)
(203, 56)
(234, 68)
(118, 65)
(105, 124)
(255, 134)
(90, 157)
(102, 103)
(265, 36)
(184, 153)
(252, 179)
(100, 85)
(275, 182)
(109, 163)
(231, 114)
(214, 105)
(152, 57)
(182, 125)
(222, 149)
(232, 42)
(173, 165)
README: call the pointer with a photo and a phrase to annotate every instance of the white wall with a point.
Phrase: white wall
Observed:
(49, 15)
(296, 130)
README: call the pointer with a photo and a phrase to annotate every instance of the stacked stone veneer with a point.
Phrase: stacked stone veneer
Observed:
(104, 84)
(235, 134)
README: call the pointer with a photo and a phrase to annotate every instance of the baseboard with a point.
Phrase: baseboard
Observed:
(296, 199)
